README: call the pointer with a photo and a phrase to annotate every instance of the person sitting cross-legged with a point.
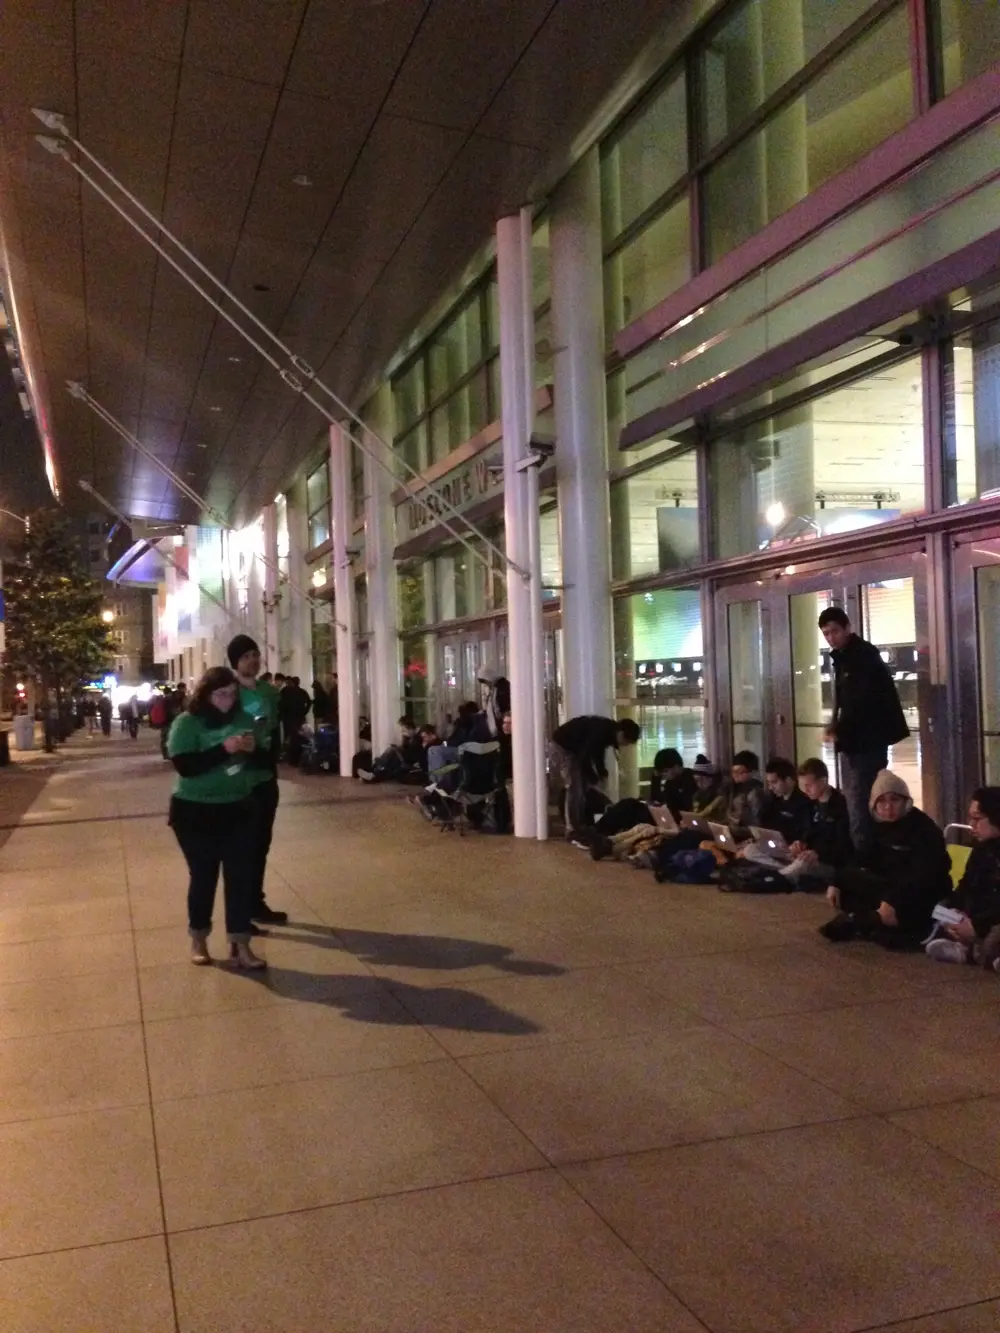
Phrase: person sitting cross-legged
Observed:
(900, 873)
(975, 938)
(827, 844)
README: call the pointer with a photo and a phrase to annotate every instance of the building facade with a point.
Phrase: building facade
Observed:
(761, 320)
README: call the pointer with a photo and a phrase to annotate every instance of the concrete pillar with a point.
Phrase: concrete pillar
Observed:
(269, 572)
(299, 648)
(581, 450)
(521, 520)
(345, 607)
(383, 617)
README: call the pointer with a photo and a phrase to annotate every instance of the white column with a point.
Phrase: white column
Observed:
(343, 591)
(300, 657)
(524, 597)
(269, 572)
(380, 537)
(581, 430)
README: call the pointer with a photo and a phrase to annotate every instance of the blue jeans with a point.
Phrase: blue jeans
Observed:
(857, 773)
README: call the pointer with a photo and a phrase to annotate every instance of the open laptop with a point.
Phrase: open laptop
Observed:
(692, 821)
(772, 842)
(663, 819)
(723, 837)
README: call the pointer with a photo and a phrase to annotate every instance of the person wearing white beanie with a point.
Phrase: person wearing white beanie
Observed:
(901, 871)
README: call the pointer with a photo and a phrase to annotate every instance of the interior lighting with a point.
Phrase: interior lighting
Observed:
(775, 514)
(107, 617)
(319, 578)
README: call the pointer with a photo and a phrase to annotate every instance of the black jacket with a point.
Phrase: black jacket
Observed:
(588, 738)
(978, 893)
(829, 834)
(676, 794)
(791, 816)
(867, 714)
(911, 857)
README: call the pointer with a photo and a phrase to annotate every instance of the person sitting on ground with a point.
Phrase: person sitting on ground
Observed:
(976, 937)
(827, 844)
(744, 792)
(785, 810)
(672, 784)
(709, 799)
(395, 762)
(900, 873)
(362, 760)
(577, 759)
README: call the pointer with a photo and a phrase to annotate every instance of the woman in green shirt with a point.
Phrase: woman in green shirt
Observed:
(211, 811)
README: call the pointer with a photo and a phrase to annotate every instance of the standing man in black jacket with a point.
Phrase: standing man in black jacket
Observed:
(867, 715)
(577, 759)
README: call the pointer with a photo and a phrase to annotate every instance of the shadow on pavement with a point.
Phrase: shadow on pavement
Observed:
(369, 1000)
(387, 949)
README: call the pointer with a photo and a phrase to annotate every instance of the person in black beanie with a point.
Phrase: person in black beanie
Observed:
(259, 699)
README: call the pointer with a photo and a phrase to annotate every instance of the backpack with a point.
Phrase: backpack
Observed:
(158, 713)
(748, 877)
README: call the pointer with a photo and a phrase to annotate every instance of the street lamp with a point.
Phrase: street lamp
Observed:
(107, 617)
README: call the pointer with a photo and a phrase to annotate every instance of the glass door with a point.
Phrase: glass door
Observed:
(976, 721)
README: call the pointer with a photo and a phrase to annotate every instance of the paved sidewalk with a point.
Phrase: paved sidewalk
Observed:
(485, 1087)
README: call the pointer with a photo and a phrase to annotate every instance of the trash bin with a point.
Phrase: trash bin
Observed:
(4, 746)
(24, 732)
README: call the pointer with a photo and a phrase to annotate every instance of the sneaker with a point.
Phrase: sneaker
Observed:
(575, 842)
(366, 775)
(842, 927)
(267, 916)
(946, 951)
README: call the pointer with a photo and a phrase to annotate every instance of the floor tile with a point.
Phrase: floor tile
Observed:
(969, 1130)
(492, 1014)
(180, 990)
(104, 1289)
(72, 1071)
(67, 957)
(890, 1056)
(595, 1099)
(101, 916)
(825, 1229)
(78, 1180)
(762, 982)
(353, 1024)
(322, 1141)
(521, 1255)
(68, 1004)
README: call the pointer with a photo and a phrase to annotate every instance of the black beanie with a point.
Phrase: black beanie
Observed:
(240, 645)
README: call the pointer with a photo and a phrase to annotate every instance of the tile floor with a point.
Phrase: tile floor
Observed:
(485, 1087)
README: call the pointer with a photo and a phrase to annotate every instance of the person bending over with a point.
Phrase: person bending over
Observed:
(578, 759)
(975, 938)
(902, 870)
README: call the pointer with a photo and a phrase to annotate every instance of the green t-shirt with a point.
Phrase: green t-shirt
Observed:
(261, 703)
(231, 780)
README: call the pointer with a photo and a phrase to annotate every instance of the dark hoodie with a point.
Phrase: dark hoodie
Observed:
(978, 893)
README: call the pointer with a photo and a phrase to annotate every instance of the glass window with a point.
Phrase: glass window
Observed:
(361, 602)
(416, 683)
(460, 417)
(846, 461)
(452, 579)
(652, 265)
(645, 160)
(413, 602)
(408, 398)
(971, 383)
(541, 288)
(323, 655)
(746, 675)
(654, 519)
(988, 616)
(860, 100)
(968, 40)
(413, 448)
(318, 504)
(758, 49)
(456, 348)
(357, 481)
(659, 669)
(548, 524)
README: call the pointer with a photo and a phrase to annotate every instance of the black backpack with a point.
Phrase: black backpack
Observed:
(749, 877)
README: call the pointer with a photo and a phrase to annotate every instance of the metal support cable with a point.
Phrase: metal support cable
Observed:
(78, 391)
(442, 504)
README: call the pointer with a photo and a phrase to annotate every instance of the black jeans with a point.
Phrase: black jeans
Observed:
(208, 847)
(857, 775)
(264, 801)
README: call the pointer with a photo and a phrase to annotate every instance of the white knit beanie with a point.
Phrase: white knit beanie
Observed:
(887, 784)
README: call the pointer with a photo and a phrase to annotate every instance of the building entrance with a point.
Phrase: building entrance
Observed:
(773, 673)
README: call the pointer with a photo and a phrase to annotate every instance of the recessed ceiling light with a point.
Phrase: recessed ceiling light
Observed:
(302, 179)
(261, 287)
(236, 360)
(215, 409)
(202, 445)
